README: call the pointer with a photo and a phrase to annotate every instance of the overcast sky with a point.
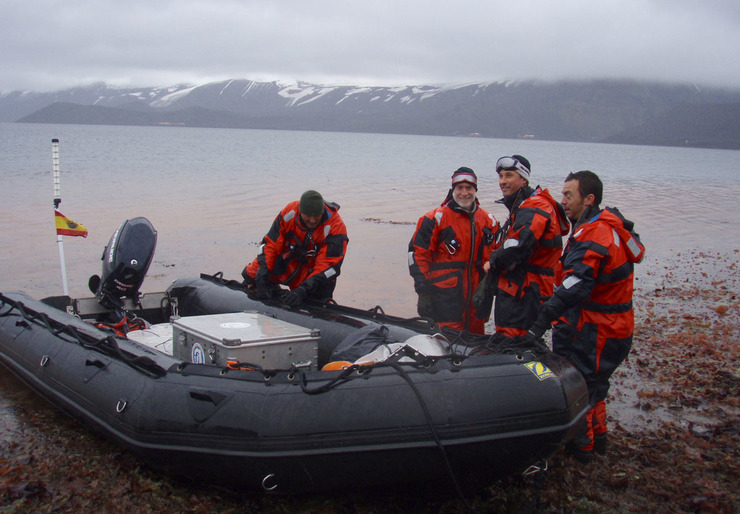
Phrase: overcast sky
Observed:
(46, 45)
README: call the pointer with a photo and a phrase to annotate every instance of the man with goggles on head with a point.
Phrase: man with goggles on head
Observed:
(446, 256)
(528, 248)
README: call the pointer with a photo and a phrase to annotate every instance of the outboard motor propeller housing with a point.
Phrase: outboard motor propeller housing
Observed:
(126, 260)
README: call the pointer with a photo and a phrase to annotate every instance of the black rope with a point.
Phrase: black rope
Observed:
(344, 377)
(435, 436)
(218, 277)
(106, 345)
(501, 344)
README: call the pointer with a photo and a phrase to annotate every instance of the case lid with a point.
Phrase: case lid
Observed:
(240, 328)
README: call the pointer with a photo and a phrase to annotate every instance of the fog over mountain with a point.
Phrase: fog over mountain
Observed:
(598, 111)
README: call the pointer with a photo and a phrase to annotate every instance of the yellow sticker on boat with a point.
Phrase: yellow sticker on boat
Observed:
(540, 370)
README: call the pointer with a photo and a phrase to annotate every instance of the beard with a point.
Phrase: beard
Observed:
(465, 203)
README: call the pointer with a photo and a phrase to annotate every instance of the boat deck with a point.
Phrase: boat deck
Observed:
(157, 337)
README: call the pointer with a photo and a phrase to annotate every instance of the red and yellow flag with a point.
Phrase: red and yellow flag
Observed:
(67, 227)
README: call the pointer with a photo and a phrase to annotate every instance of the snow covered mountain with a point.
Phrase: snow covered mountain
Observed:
(566, 111)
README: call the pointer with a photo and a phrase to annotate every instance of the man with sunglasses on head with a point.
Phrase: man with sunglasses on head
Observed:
(447, 252)
(528, 248)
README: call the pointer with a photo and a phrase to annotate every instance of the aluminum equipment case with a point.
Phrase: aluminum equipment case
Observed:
(244, 338)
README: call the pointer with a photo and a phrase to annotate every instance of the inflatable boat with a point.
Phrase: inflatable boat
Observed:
(206, 381)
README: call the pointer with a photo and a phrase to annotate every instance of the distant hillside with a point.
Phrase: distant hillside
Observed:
(604, 111)
(695, 125)
(70, 113)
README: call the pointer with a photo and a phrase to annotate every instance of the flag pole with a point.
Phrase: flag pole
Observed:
(57, 201)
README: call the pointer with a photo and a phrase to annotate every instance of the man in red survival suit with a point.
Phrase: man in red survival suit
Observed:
(592, 307)
(447, 252)
(304, 249)
(528, 248)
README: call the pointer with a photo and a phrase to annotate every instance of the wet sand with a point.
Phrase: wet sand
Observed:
(674, 414)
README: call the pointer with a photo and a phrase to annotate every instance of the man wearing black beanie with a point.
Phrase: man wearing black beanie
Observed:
(304, 249)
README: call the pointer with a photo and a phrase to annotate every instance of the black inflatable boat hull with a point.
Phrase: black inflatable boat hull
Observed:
(471, 420)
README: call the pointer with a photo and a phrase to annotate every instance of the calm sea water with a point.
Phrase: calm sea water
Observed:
(212, 194)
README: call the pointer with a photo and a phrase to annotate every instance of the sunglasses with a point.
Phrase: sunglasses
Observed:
(509, 163)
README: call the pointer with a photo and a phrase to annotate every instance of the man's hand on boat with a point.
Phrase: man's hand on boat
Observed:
(295, 297)
(263, 290)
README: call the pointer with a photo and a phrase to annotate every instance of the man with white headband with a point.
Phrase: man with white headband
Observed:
(447, 252)
(528, 248)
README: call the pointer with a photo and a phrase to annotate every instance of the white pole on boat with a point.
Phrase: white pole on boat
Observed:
(57, 201)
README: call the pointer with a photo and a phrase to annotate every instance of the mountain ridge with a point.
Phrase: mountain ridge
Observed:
(598, 111)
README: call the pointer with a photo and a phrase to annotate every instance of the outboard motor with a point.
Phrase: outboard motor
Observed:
(126, 260)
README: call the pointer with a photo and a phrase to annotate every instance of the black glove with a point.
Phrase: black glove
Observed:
(264, 289)
(536, 333)
(295, 297)
(531, 338)
(424, 306)
(502, 261)
(483, 297)
(542, 325)
(495, 261)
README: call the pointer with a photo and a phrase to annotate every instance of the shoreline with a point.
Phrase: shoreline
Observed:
(673, 410)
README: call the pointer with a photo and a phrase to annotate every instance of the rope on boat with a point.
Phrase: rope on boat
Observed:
(500, 344)
(435, 436)
(393, 363)
(105, 345)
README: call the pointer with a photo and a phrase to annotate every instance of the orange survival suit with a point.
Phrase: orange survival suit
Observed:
(292, 255)
(446, 255)
(529, 246)
(592, 309)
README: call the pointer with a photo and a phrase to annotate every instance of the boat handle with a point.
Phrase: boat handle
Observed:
(44, 361)
(121, 406)
(536, 468)
(264, 483)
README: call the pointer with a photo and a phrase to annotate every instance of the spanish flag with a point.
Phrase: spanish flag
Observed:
(67, 227)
